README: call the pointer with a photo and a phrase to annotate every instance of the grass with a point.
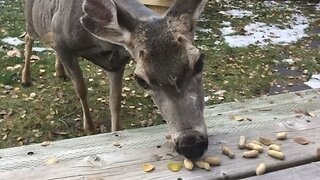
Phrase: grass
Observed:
(54, 113)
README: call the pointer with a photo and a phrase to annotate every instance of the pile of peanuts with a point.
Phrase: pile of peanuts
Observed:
(254, 149)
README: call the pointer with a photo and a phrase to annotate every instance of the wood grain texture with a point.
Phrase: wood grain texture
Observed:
(308, 171)
(269, 114)
(163, 3)
(127, 164)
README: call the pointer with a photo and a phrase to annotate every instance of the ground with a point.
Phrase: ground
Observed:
(253, 48)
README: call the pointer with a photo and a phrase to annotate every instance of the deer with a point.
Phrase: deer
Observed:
(109, 33)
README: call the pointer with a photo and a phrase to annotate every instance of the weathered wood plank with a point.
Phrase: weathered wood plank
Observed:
(308, 171)
(162, 3)
(127, 164)
(264, 111)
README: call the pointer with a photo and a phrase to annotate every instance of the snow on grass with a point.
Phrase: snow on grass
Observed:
(12, 41)
(262, 34)
(270, 3)
(237, 13)
(227, 30)
(314, 82)
(317, 6)
(40, 49)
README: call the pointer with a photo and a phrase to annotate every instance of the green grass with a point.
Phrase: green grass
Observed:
(55, 111)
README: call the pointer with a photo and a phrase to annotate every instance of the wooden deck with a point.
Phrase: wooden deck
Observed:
(96, 157)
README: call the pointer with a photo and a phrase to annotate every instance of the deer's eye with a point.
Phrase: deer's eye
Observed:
(198, 67)
(142, 83)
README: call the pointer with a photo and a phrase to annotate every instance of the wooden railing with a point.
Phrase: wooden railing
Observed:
(159, 6)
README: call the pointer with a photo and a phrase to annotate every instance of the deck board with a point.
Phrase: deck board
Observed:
(307, 171)
(269, 114)
(113, 165)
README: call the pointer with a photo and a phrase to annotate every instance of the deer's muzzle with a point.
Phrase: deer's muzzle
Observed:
(192, 144)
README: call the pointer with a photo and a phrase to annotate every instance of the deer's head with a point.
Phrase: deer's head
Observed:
(169, 66)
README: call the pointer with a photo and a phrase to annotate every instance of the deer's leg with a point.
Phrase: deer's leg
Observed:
(26, 74)
(71, 65)
(115, 81)
(60, 72)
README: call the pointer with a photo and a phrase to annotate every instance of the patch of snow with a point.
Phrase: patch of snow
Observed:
(203, 19)
(237, 13)
(40, 49)
(226, 23)
(261, 34)
(227, 30)
(314, 82)
(203, 30)
(220, 92)
(270, 3)
(12, 41)
(207, 98)
(289, 61)
(217, 43)
(317, 6)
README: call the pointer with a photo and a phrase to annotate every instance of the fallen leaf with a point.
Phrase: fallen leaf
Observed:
(265, 141)
(14, 53)
(59, 133)
(311, 114)
(3, 112)
(116, 144)
(45, 143)
(34, 57)
(23, 35)
(301, 140)
(238, 118)
(5, 137)
(174, 166)
(148, 167)
(32, 95)
(52, 160)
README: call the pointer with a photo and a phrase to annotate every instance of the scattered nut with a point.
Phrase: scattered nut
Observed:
(254, 147)
(282, 136)
(256, 142)
(227, 151)
(261, 169)
(52, 160)
(276, 154)
(148, 167)
(188, 164)
(45, 143)
(203, 165)
(213, 161)
(275, 147)
(251, 154)
(242, 142)
(265, 141)
(174, 166)
(301, 140)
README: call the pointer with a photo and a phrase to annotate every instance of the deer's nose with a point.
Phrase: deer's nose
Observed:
(192, 144)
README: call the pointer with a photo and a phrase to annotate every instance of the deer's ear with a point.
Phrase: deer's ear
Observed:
(189, 7)
(107, 22)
